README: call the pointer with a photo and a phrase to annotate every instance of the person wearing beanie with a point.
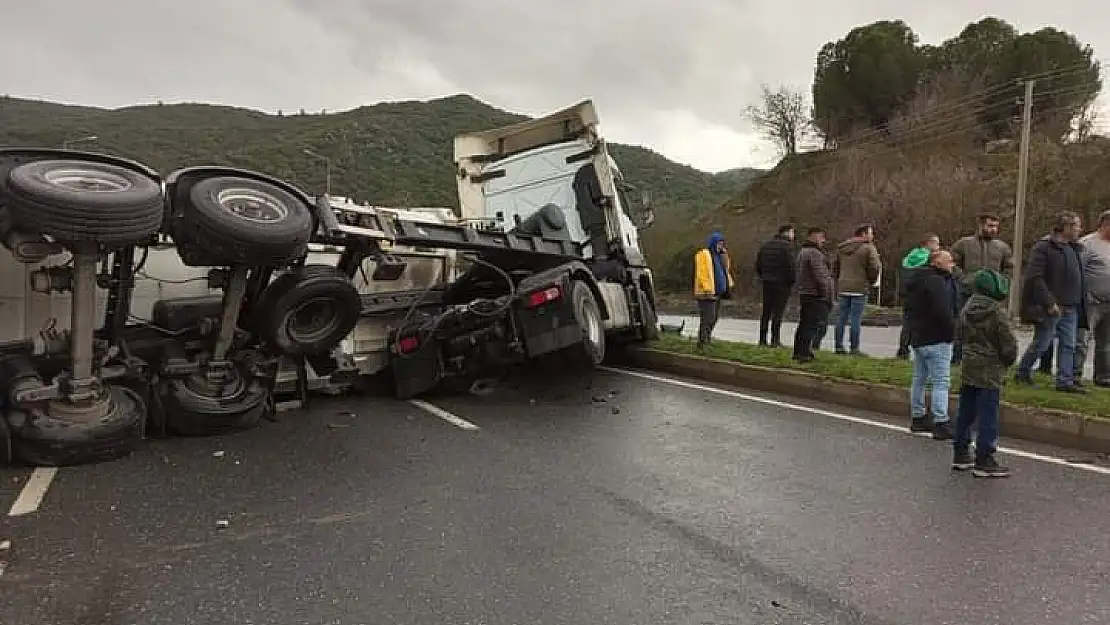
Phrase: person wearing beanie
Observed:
(918, 257)
(989, 349)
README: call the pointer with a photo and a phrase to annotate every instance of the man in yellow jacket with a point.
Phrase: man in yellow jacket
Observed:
(712, 283)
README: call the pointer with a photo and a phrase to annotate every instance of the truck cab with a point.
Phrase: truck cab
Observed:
(507, 174)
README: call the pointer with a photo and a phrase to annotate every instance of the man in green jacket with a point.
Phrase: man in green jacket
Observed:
(918, 257)
(982, 250)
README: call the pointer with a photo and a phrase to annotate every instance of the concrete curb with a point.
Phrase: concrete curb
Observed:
(1039, 425)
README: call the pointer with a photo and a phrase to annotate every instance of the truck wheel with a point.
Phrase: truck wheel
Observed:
(592, 348)
(308, 310)
(246, 222)
(192, 411)
(74, 201)
(53, 437)
(649, 318)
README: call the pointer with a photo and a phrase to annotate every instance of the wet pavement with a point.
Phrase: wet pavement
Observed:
(618, 500)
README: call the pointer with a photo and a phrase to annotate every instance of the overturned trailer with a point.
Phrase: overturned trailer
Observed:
(186, 305)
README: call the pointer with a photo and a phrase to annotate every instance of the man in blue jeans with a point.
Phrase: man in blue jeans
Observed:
(856, 270)
(931, 311)
(1052, 300)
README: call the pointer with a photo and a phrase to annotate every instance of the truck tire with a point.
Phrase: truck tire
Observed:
(189, 413)
(591, 351)
(648, 317)
(308, 310)
(76, 201)
(246, 222)
(43, 439)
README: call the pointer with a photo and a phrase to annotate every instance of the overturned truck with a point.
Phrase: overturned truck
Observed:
(187, 305)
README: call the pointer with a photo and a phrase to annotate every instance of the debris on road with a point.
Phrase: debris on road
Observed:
(223, 524)
(218, 454)
(5, 549)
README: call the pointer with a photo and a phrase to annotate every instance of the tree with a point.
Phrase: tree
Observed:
(783, 118)
(1067, 75)
(863, 80)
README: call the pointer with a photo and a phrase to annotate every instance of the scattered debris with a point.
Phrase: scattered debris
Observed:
(615, 410)
(346, 413)
(223, 524)
(218, 454)
(598, 399)
(1081, 461)
(614, 392)
(777, 604)
(336, 426)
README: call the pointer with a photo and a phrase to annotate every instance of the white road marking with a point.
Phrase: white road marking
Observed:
(443, 414)
(1020, 453)
(30, 498)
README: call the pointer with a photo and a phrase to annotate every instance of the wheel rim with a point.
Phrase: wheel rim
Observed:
(312, 321)
(87, 180)
(252, 205)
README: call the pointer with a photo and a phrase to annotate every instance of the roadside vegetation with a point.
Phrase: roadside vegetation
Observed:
(889, 371)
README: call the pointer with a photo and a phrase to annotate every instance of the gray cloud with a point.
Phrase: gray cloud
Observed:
(673, 75)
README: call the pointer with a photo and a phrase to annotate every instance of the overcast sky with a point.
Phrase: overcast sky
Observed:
(673, 75)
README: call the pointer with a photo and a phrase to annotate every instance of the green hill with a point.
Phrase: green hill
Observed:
(395, 153)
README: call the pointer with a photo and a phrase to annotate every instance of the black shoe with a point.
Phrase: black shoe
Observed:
(989, 467)
(803, 359)
(902, 355)
(1074, 389)
(942, 431)
(1024, 379)
(920, 426)
(962, 460)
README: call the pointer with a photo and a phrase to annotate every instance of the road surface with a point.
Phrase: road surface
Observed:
(625, 500)
(873, 341)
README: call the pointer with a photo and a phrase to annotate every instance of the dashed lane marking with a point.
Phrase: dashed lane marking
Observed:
(1020, 453)
(30, 498)
(443, 414)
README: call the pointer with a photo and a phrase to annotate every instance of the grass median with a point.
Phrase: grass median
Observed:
(890, 371)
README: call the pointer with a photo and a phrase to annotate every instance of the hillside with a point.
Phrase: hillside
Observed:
(396, 153)
(905, 190)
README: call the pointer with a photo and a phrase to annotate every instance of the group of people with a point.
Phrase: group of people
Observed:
(954, 312)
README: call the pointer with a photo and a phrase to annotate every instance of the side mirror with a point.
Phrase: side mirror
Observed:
(647, 213)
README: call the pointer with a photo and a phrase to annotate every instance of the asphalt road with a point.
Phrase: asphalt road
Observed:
(874, 341)
(622, 500)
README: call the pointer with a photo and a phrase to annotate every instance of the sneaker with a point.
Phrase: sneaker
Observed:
(942, 431)
(962, 460)
(920, 425)
(989, 467)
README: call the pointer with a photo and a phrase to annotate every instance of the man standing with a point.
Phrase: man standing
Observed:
(1096, 280)
(931, 311)
(1052, 299)
(982, 250)
(775, 267)
(917, 258)
(815, 292)
(712, 283)
(856, 269)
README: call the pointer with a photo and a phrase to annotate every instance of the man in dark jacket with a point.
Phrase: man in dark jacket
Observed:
(815, 293)
(775, 267)
(917, 258)
(1052, 300)
(931, 312)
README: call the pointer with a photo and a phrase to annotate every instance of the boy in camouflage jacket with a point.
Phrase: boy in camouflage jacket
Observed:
(989, 348)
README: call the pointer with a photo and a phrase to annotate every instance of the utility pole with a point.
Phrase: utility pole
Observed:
(1019, 200)
(327, 169)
